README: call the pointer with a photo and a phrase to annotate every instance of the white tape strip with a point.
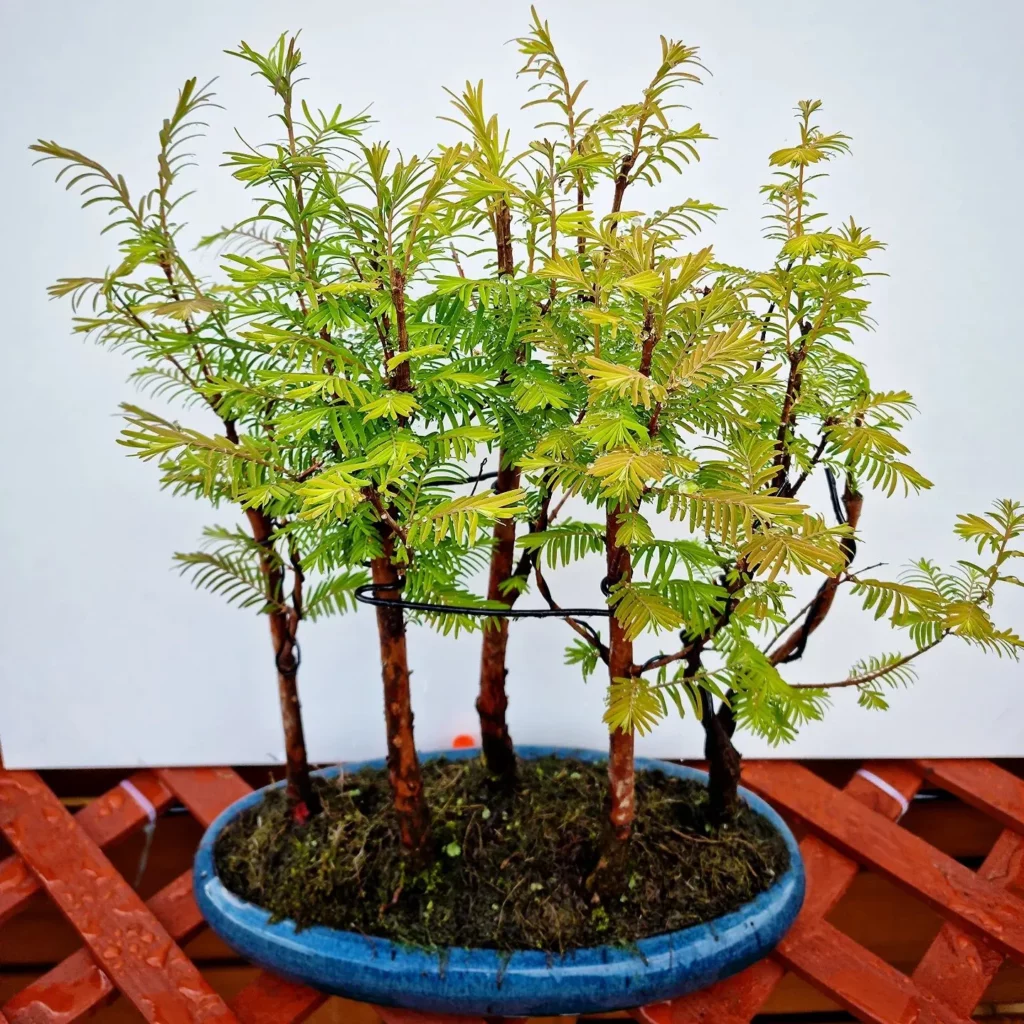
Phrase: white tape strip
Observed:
(149, 828)
(886, 789)
(140, 798)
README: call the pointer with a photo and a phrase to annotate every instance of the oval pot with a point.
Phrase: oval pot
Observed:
(484, 981)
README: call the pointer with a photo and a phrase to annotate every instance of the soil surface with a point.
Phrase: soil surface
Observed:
(511, 867)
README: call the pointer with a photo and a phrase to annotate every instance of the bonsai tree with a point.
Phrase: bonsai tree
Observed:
(195, 345)
(529, 192)
(383, 388)
(713, 394)
(356, 366)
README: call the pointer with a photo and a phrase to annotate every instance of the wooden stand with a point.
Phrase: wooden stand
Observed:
(920, 937)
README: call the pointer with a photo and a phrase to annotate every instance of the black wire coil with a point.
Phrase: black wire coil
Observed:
(366, 593)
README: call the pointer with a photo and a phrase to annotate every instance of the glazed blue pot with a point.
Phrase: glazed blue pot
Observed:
(484, 981)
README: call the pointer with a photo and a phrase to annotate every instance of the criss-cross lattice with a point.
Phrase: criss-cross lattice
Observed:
(133, 948)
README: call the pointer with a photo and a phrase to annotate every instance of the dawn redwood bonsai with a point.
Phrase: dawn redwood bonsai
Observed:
(521, 198)
(713, 394)
(197, 347)
(656, 379)
(358, 360)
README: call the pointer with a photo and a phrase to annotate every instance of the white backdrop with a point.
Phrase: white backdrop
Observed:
(109, 658)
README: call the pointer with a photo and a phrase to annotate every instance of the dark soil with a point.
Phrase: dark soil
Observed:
(511, 867)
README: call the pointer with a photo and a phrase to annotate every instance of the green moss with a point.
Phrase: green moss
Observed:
(510, 867)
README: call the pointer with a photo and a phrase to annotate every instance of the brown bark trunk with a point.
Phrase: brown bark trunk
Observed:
(403, 765)
(621, 778)
(503, 239)
(400, 379)
(793, 384)
(723, 764)
(621, 181)
(492, 702)
(609, 875)
(298, 786)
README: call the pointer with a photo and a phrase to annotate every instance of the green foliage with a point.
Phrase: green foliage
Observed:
(229, 565)
(381, 322)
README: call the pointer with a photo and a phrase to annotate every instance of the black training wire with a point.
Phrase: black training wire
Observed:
(461, 483)
(837, 505)
(366, 593)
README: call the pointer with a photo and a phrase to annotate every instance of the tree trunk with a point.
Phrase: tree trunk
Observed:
(723, 762)
(503, 239)
(403, 765)
(298, 786)
(492, 702)
(608, 876)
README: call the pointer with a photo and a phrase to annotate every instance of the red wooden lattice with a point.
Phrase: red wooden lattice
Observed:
(133, 949)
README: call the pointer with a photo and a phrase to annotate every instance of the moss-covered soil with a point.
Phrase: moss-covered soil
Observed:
(511, 868)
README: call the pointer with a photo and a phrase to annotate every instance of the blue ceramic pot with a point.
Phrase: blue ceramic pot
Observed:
(483, 981)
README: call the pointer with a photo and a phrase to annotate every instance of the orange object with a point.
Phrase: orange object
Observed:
(463, 741)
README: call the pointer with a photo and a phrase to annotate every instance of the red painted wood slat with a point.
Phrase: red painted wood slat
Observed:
(77, 986)
(392, 1016)
(859, 981)
(272, 1000)
(205, 791)
(121, 932)
(107, 820)
(945, 885)
(958, 967)
(268, 999)
(829, 874)
(983, 785)
(815, 950)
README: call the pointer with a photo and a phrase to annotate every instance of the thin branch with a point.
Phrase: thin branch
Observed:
(846, 578)
(815, 459)
(660, 660)
(558, 507)
(793, 646)
(306, 473)
(587, 632)
(370, 493)
(870, 677)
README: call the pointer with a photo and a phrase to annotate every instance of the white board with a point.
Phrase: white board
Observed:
(108, 658)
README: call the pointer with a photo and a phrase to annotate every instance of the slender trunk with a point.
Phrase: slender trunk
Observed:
(403, 765)
(723, 762)
(400, 378)
(503, 239)
(621, 778)
(621, 181)
(492, 702)
(608, 876)
(298, 786)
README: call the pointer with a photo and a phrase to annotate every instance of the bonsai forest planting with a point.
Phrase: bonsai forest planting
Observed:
(426, 385)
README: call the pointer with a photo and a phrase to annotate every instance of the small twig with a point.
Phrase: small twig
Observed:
(374, 498)
(587, 632)
(871, 676)
(815, 459)
(558, 507)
